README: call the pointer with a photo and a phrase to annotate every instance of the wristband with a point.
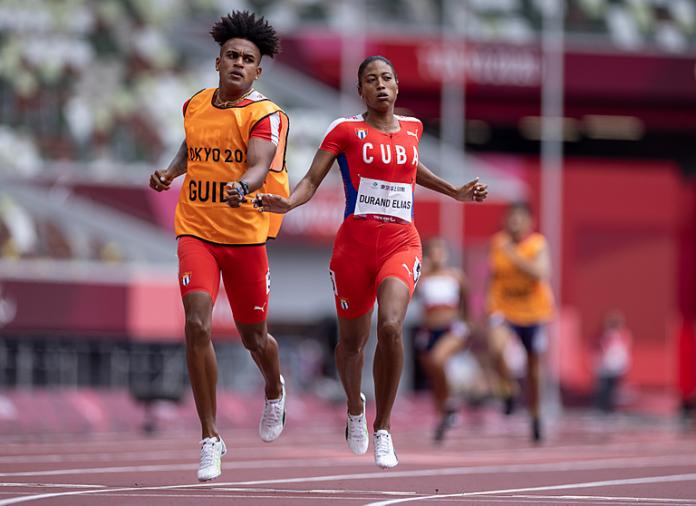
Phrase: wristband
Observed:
(245, 187)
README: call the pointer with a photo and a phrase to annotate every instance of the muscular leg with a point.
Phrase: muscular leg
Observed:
(533, 384)
(534, 394)
(200, 358)
(498, 336)
(264, 350)
(392, 299)
(353, 334)
(435, 361)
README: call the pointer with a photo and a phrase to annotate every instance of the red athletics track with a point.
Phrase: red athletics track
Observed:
(586, 460)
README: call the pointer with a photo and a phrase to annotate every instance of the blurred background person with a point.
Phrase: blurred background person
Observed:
(613, 358)
(443, 293)
(520, 302)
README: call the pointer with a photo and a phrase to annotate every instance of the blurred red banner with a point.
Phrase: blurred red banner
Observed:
(134, 308)
(424, 62)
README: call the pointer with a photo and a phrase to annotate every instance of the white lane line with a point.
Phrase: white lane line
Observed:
(246, 497)
(207, 497)
(581, 465)
(92, 449)
(91, 454)
(313, 491)
(51, 485)
(91, 457)
(103, 470)
(39, 497)
(246, 464)
(587, 484)
(511, 468)
(649, 500)
(538, 500)
(587, 464)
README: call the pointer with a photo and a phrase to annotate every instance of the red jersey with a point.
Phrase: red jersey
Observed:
(378, 169)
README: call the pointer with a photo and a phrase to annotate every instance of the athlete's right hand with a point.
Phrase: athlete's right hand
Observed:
(160, 180)
(269, 202)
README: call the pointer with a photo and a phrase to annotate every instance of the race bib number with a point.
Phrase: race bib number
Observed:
(385, 198)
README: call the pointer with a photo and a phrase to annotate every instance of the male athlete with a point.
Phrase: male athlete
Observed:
(235, 145)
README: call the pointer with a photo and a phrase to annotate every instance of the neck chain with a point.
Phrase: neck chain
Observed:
(229, 103)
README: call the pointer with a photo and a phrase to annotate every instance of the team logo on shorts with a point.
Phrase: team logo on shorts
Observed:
(361, 133)
(344, 304)
(186, 278)
(416, 270)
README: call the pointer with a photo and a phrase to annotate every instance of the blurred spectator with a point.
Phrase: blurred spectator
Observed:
(73, 85)
(18, 153)
(81, 79)
(613, 358)
(21, 238)
(54, 242)
(24, 235)
(109, 252)
(8, 247)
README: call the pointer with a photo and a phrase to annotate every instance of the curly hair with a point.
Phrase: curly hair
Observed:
(245, 25)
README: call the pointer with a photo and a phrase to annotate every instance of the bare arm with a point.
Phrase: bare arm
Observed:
(260, 153)
(305, 189)
(538, 267)
(473, 190)
(427, 179)
(161, 180)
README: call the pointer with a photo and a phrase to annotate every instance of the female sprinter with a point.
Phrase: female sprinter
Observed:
(443, 293)
(377, 252)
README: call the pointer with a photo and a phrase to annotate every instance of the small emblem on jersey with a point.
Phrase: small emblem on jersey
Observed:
(361, 133)
(260, 308)
(415, 134)
(416, 270)
(186, 278)
(344, 304)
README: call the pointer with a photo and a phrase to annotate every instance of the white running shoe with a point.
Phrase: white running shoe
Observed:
(212, 450)
(357, 437)
(385, 456)
(273, 418)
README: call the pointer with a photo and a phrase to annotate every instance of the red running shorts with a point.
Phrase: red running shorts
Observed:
(367, 251)
(244, 272)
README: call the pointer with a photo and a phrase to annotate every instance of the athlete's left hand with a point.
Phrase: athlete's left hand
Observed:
(271, 203)
(473, 190)
(234, 194)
